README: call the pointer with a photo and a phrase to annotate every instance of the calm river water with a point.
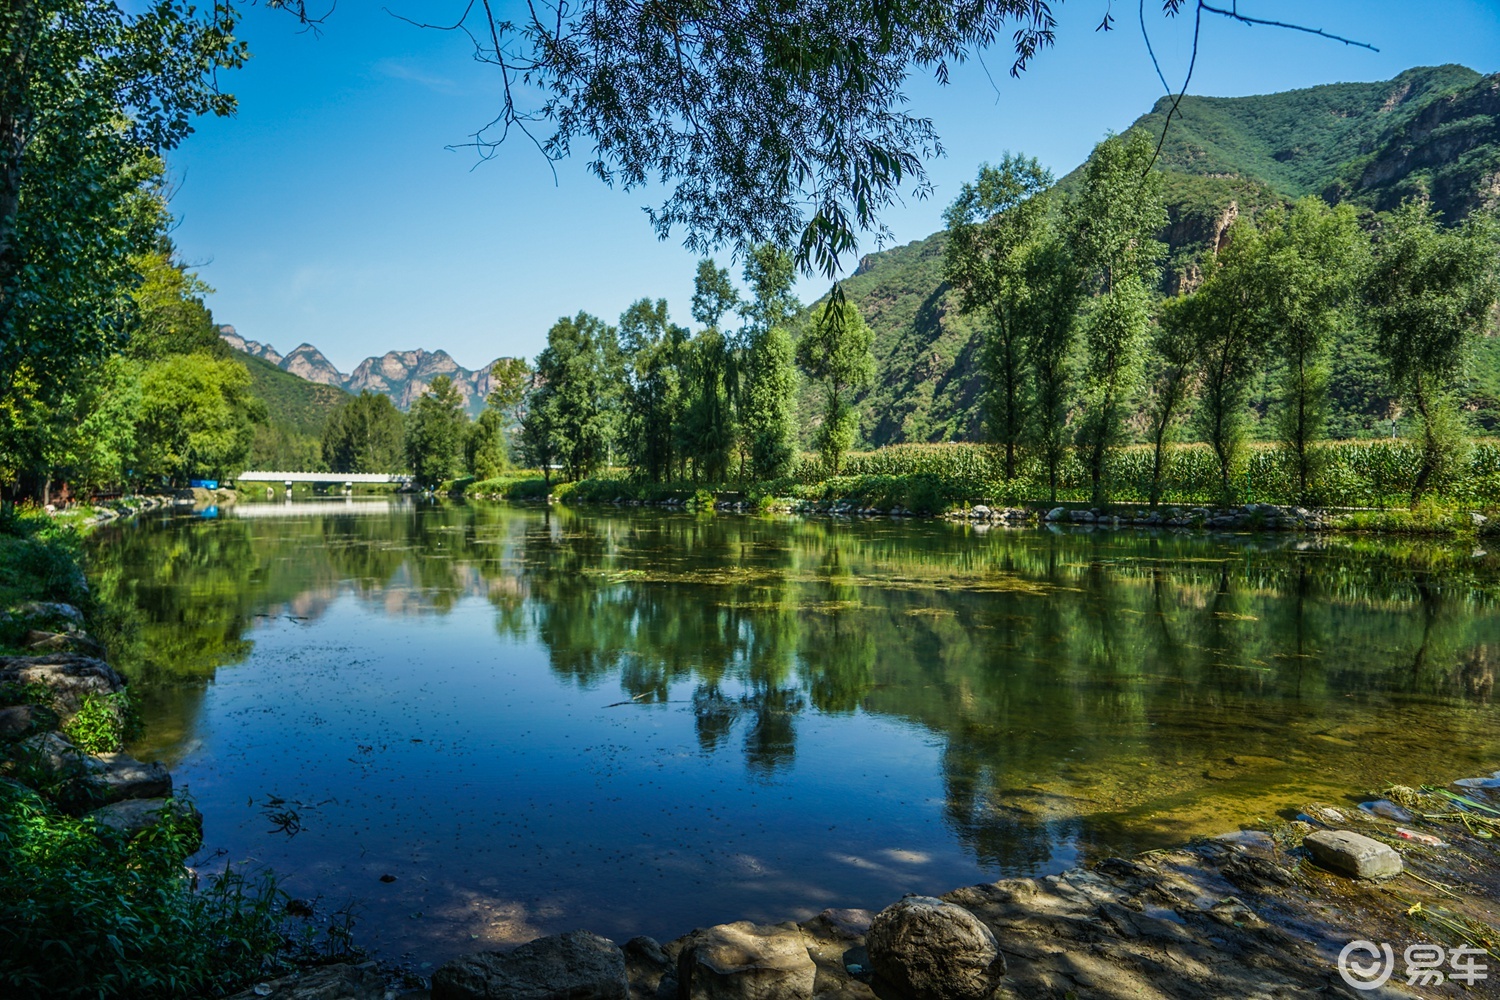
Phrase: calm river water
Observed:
(539, 719)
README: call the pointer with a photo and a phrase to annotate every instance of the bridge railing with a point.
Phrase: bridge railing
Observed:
(321, 477)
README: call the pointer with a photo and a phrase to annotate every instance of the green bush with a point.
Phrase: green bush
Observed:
(103, 723)
(86, 911)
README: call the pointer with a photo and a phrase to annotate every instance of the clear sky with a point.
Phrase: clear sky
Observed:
(330, 211)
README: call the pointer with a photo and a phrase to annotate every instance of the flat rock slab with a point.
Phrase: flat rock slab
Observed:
(745, 961)
(934, 950)
(1352, 854)
(134, 816)
(70, 676)
(334, 982)
(573, 966)
(118, 776)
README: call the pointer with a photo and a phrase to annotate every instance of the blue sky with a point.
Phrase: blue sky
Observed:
(329, 210)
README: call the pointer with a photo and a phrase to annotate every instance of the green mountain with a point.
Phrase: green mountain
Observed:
(297, 411)
(1432, 131)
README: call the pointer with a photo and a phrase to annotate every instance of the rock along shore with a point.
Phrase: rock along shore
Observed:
(1251, 914)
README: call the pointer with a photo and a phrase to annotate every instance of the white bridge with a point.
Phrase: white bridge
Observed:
(347, 478)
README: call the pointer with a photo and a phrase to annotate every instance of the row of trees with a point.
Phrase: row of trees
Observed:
(706, 405)
(1076, 340)
(100, 376)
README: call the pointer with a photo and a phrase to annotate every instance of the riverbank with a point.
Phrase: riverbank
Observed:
(95, 900)
(1266, 912)
(916, 497)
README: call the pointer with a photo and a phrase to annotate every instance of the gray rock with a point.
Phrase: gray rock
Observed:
(134, 816)
(54, 753)
(573, 966)
(333, 982)
(745, 961)
(649, 969)
(980, 510)
(932, 950)
(16, 721)
(844, 923)
(71, 641)
(1479, 520)
(46, 611)
(1055, 514)
(70, 676)
(1352, 854)
(118, 776)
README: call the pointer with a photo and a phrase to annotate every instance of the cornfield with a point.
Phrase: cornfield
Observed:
(1373, 473)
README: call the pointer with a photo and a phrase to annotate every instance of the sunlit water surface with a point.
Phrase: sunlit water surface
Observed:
(637, 722)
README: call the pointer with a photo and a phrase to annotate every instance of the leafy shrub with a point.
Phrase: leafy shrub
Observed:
(102, 723)
(85, 911)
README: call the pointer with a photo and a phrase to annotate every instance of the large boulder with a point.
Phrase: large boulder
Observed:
(134, 816)
(115, 777)
(1353, 854)
(52, 755)
(574, 966)
(745, 961)
(932, 950)
(70, 677)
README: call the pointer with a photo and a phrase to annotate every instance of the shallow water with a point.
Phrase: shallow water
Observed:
(640, 722)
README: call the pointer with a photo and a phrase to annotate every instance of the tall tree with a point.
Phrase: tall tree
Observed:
(706, 431)
(767, 397)
(1228, 325)
(652, 347)
(486, 453)
(197, 417)
(575, 389)
(365, 434)
(1112, 224)
(836, 352)
(90, 96)
(1171, 366)
(992, 229)
(435, 432)
(1431, 291)
(1053, 275)
(1312, 262)
(510, 379)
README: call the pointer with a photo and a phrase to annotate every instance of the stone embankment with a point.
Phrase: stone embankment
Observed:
(66, 673)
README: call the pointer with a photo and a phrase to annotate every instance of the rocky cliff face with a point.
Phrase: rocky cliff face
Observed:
(402, 375)
(405, 375)
(306, 361)
(1450, 152)
(254, 348)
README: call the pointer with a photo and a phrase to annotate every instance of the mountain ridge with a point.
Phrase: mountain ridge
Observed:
(402, 375)
(1432, 131)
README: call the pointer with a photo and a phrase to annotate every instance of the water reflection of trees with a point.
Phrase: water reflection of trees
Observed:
(1042, 660)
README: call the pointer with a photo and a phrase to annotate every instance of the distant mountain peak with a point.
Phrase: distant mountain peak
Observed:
(402, 375)
(254, 348)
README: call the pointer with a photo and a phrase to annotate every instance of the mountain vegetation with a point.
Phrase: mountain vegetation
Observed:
(1433, 133)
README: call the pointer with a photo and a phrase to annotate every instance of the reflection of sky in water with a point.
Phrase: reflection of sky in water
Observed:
(509, 805)
(639, 723)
